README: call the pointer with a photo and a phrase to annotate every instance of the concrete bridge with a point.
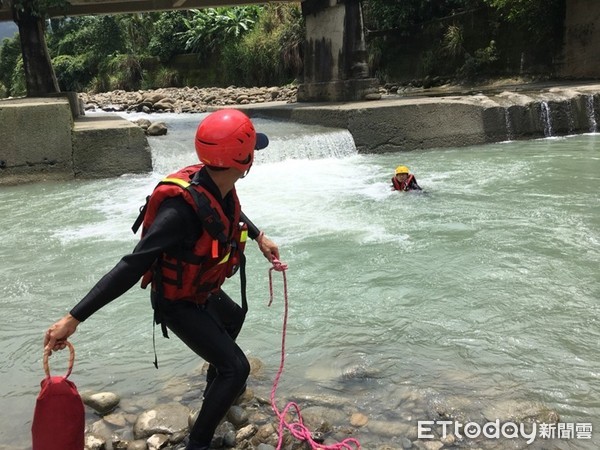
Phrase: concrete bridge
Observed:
(335, 57)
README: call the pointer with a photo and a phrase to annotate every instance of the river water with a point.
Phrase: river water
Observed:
(478, 297)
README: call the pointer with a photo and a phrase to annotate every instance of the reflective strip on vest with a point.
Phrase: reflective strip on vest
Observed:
(225, 258)
(243, 239)
(178, 181)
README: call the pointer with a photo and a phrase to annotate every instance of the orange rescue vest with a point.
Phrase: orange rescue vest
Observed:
(195, 273)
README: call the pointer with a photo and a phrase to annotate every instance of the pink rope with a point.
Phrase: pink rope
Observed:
(297, 429)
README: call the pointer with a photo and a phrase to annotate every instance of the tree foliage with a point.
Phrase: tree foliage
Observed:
(260, 45)
(212, 28)
(404, 14)
(463, 37)
(270, 53)
(97, 37)
(81, 47)
(541, 19)
(10, 52)
(166, 39)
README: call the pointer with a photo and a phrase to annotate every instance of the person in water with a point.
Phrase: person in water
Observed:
(403, 180)
(193, 237)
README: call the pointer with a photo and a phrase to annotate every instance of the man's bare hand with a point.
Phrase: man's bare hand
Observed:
(57, 335)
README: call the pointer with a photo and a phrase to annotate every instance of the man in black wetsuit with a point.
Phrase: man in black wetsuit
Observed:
(186, 260)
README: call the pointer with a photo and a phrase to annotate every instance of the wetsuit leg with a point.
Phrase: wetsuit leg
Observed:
(204, 333)
(231, 315)
(229, 312)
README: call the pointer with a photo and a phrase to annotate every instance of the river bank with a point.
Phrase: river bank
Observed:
(185, 100)
(163, 421)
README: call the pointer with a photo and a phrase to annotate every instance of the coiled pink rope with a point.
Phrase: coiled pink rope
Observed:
(297, 429)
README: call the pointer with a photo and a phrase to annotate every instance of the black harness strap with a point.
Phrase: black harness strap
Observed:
(140, 218)
(208, 216)
(157, 317)
(243, 282)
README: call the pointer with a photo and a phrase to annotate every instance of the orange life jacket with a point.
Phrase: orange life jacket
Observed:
(194, 274)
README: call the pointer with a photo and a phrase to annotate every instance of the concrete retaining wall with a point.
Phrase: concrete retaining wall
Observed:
(35, 136)
(40, 140)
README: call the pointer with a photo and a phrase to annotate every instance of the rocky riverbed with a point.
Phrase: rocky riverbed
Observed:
(195, 99)
(164, 421)
(186, 99)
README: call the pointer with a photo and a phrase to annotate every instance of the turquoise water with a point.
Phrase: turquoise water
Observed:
(480, 294)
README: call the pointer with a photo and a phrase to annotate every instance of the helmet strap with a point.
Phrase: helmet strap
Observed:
(246, 172)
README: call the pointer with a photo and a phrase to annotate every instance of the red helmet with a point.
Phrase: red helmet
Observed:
(227, 138)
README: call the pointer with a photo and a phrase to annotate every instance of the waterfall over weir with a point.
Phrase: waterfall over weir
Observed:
(507, 115)
(546, 119)
(321, 144)
(287, 140)
(555, 117)
(591, 113)
(509, 126)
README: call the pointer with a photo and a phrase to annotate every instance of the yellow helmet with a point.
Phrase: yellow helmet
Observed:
(401, 169)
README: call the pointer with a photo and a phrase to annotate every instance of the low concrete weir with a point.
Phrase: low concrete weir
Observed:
(395, 123)
(109, 146)
(41, 140)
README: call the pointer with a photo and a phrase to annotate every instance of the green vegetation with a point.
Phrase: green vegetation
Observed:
(422, 39)
(262, 45)
(269, 52)
(10, 54)
(209, 30)
(250, 45)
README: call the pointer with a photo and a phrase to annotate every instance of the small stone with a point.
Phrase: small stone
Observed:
(448, 440)
(245, 433)
(94, 442)
(358, 420)
(157, 441)
(102, 402)
(118, 419)
(237, 416)
(229, 439)
(157, 129)
(140, 444)
(373, 96)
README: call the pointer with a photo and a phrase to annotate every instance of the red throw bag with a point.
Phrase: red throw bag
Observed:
(59, 418)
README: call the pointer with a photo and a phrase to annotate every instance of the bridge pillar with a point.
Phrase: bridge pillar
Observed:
(335, 57)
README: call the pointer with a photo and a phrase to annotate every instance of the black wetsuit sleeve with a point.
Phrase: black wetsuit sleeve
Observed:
(174, 225)
(253, 230)
(414, 185)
